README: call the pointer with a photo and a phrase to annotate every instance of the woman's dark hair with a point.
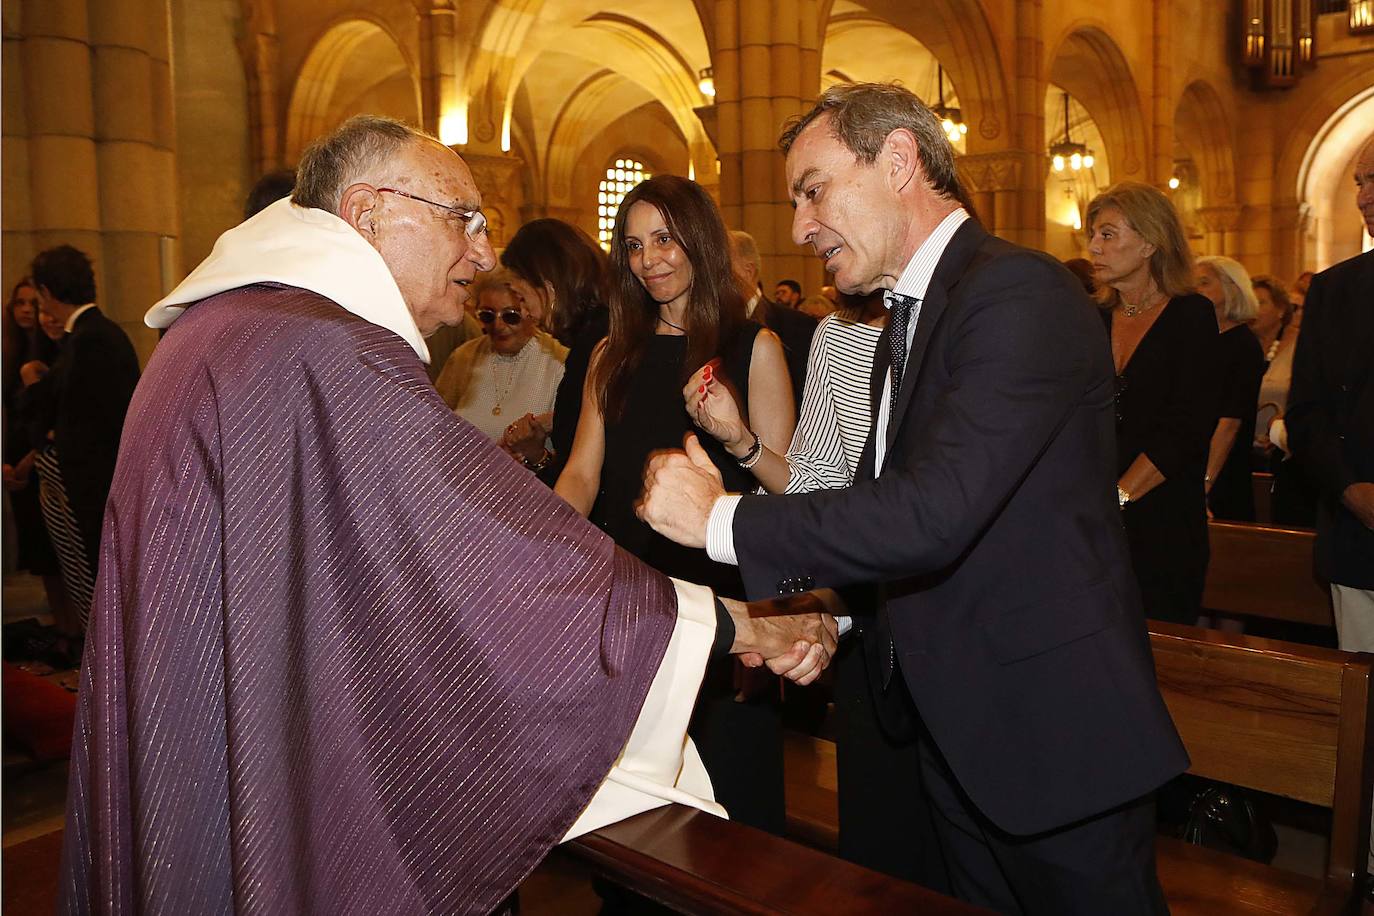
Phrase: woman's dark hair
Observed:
(715, 308)
(563, 256)
(13, 332)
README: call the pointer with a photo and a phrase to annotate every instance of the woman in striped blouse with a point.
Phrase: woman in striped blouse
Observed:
(835, 412)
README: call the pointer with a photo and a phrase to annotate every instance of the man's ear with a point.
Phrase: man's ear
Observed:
(900, 157)
(358, 207)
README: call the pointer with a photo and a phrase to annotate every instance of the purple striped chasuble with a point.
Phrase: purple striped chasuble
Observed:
(345, 655)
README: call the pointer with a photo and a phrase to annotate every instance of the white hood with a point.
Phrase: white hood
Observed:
(307, 248)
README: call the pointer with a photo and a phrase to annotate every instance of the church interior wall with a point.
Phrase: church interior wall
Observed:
(214, 165)
(539, 95)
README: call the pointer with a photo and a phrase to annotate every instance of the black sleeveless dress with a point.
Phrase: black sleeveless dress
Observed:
(654, 417)
(740, 742)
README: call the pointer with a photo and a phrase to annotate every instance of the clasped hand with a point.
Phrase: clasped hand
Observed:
(797, 646)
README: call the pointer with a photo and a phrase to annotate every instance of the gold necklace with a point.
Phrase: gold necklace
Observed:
(515, 362)
(1130, 311)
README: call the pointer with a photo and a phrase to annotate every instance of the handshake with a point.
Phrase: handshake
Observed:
(794, 635)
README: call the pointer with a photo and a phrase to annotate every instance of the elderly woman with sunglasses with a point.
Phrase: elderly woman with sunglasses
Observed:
(504, 382)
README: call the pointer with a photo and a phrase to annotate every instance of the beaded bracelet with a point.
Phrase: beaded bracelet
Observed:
(752, 456)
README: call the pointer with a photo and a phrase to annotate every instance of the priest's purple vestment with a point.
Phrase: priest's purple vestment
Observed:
(345, 655)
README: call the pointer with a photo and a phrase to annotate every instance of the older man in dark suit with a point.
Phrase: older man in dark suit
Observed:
(985, 511)
(1330, 424)
(795, 329)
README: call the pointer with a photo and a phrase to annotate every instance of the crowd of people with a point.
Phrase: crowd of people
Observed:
(948, 416)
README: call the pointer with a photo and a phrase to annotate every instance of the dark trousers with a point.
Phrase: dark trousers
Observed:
(885, 820)
(1104, 864)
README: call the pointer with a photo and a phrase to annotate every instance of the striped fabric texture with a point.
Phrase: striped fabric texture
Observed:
(345, 656)
(64, 532)
(836, 410)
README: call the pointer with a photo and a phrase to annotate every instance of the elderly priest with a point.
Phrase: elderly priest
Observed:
(346, 655)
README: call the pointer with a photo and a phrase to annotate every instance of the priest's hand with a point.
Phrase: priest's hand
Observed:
(679, 490)
(797, 645)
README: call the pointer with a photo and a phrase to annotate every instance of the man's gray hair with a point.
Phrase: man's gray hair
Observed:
(355, 149)
(745, 248)
(863, 114)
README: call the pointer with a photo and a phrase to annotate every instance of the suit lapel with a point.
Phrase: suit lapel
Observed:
(948, 270)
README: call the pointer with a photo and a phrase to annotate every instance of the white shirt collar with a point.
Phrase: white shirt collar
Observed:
(752, 304)
(303, 247)
(915, 278)
(71, 319)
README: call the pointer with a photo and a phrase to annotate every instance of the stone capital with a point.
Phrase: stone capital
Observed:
(1004, 170)
(491, 173)
(1221, 217)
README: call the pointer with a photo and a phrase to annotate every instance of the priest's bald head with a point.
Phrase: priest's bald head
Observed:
(411, 198)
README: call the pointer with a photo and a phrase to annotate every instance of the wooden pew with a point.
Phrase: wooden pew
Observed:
(1264, 571)
(693, 862)
(1282, 718)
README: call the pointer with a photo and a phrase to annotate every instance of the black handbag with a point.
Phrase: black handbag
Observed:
(1225, 818)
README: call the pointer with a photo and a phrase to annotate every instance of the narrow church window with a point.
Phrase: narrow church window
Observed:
(621, 175)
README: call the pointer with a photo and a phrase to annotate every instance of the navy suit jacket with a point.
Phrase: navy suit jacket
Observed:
(995, 533)
(1331, 412)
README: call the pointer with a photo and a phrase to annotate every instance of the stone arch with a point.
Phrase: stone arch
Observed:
(1090, 65)
(860, 47)
(1332, 229)
(356, 64)
(1203, 126)
(959, 35)
(663, 59)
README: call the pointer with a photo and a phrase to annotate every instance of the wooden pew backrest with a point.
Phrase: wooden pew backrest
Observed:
(694, 862)
(1266, 572)
(1279, 717)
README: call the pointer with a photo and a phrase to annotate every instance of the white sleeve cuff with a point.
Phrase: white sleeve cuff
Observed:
(720, 530)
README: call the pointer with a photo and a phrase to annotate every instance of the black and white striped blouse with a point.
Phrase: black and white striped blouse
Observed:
(836, 414)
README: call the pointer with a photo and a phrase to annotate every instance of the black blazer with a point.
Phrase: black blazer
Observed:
(995, 530)
(87, 394)
(1330, 415)
(795, 329)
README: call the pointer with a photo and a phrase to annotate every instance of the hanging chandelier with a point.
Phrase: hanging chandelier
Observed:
(951, 119)
(1279, 40)
(1068, 154)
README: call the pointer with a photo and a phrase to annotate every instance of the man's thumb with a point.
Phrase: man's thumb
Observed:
(697, 453)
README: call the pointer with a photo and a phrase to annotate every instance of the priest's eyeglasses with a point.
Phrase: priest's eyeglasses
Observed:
(474, 221)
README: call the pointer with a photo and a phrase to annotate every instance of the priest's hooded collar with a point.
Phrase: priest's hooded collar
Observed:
(303, 247)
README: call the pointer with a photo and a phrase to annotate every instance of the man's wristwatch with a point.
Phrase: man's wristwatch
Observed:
(1122, 497)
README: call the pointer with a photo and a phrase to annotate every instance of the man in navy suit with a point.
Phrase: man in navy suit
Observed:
(1012, 644)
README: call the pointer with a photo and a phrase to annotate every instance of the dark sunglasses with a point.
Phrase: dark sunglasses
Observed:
(511, 317)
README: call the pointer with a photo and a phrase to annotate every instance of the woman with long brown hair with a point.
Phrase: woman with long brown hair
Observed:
(1164, 340)
(675, 307)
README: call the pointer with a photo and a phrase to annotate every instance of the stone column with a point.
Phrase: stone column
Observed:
(496, 178)
(135, 155)
(57, 109)
(1018, 175)
(1221, 222)
(258, 46)
(1162, 95)
(439, 78)
(767, 69)
(1000, 183)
